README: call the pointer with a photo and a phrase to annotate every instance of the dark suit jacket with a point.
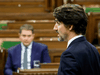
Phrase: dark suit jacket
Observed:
(80, 58)
(39, 52)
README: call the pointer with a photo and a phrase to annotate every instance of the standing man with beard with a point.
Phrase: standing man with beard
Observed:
(80, 57)
(23, 55)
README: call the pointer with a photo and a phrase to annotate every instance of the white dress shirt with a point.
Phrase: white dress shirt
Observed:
(28, 55)
(69, 42)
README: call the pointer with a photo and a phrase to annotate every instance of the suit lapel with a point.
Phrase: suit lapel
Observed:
(32, 54)
(19, 55)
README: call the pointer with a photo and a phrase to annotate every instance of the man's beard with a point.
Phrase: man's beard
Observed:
(60, 39)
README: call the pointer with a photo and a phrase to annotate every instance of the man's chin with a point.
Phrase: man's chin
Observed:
(26, 44)
(60, 39)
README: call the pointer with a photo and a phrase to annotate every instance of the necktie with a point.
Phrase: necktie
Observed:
(25, 59)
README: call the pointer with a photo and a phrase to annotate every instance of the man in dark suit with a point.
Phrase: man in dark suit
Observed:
(23, 55)
(80, 57)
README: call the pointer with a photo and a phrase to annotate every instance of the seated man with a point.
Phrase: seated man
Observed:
(23, 55)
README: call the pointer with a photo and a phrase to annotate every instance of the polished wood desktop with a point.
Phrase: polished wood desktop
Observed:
(39, 71)
(45, 69)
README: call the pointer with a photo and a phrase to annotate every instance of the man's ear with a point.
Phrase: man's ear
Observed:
(70, 27)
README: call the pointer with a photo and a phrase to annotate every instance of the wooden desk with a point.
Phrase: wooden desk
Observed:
(39, 71)
(25, 10)
(36, 25)
(49, 65)
(20, 6)
(38, 33)
(26, 16)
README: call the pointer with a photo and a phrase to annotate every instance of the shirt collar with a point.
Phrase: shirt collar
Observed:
(69, 42)
(28, 47)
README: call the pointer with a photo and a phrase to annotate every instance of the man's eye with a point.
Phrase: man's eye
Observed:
(23, 35)
(29, 35)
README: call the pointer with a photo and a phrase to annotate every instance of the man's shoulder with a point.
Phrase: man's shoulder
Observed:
(13, 47)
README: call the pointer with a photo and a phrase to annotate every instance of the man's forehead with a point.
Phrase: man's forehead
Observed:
(26, 32)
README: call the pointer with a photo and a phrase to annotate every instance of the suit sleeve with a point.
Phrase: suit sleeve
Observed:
(8, 65)
(45, 55)
(68, 65)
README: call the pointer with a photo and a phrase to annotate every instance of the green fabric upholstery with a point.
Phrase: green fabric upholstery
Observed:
(2, 25)
(8, 44)
(92, 10)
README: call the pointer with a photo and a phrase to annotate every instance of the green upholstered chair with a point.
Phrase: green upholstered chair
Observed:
(8, 44)
(92, 10)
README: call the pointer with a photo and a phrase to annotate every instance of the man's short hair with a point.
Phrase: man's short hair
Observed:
(26, 27)
(72, 14)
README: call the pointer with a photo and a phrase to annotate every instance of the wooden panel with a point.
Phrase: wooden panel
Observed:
(21, 0)
(49, 65)
(98, 31)
(59, 2)
(27, 3)
(88, 30)
(55, 54)
(92, 30)
(25, 10)
(35, 5)
(5, 0)
(20, 3)
(86, 0)
(2, 61)
(26, 16)
(29, 0)
(82, 2)
(53, 73)
(21, 9)
(98, 48)
(38, 33)
(54, 44)
(57, 59)
(36, 25)
(55, 3)
(39, 70)
(47, 5)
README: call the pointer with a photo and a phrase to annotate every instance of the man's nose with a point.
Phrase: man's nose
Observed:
(55, 27)
(26, 38)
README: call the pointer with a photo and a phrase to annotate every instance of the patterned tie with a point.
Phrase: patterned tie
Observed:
(25, 59)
